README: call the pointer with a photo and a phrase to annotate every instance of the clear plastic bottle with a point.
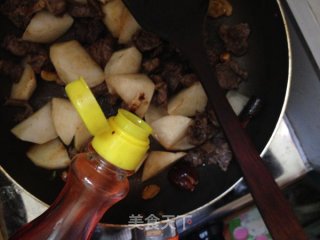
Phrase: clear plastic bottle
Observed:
(97, 179)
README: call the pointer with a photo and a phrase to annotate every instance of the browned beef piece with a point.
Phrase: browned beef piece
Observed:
(96, 5)
(146, 41)
(87, 30)
(101, 51)
(157, 51)
(235, 37)
(217, 151)
(196, 157)
(20, 12)
(11, 69)
(156, 78)
(99, 90)
(213, 55)
(160, 96)
(111, 99)
(28, 110)
(168, 52)
(38, 54)
(150, 65)
(189, 79)
(214, 151)
(39, 60)
(201, 130)
(17, 46)
(229, 74)
(90, 10)
(172, 73)
(102, 91)
(57, 7)
(212, 116)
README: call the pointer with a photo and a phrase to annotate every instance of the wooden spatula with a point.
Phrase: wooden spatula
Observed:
(181, 22)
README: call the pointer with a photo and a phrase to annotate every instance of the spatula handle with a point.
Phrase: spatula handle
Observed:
(274, 208)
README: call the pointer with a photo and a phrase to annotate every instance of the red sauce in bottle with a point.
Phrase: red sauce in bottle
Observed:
(92, 187)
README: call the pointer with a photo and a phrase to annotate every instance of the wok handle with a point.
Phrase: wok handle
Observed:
(273, 206)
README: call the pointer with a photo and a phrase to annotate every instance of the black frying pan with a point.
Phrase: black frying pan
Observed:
(268, 65)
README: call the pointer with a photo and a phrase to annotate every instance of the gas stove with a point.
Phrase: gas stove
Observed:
(293, 152)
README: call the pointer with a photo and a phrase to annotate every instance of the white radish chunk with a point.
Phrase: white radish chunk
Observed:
(183, 144)
(237, 101)
(154, 113)
(71, 60)
(45, 27)
(157, 161)
(82, 136)
(113, 16)
(38, 128)
(129, 27)
(170, 129)
(135, 89)
(50, 155)
(65, 119)
(26, 86)
(122, 62)
(188, 101)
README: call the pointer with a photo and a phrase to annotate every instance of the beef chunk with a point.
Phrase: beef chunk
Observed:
(38, 54)
(189, 79)
(96, 5)
(218, 152)
(160, 96)
(235, 37)
(229, 74)
(156, 78)
(167, 51)
(201, 130)
(212, 116)
(172, 74)
(39, 60)
(28, 110)
(213, 55)
(101, 51)
(111, 99)
(157, 51)
(150, 65)
(90, 10)
(17, 46)
(196, 157)
(11, 69)
(214, 151)
(20, 12)
(57, 7)
(87, 30)
(101, 92)
(146, 41)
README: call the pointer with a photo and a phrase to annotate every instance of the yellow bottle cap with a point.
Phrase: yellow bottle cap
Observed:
(121, 140)
(87, 106)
